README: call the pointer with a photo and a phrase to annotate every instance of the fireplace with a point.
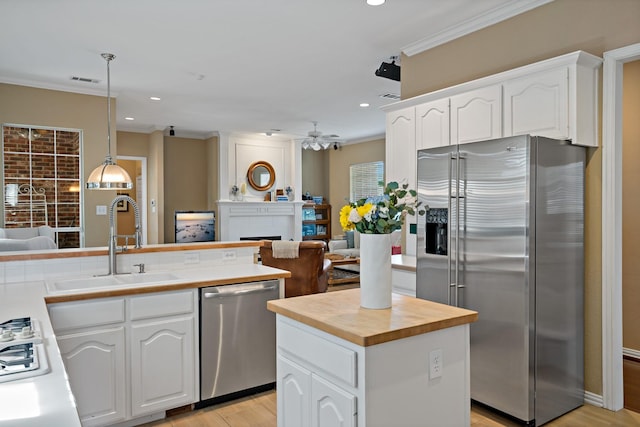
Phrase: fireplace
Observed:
(245, 220)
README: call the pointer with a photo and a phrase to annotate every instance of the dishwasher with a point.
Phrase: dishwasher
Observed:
(237, 340)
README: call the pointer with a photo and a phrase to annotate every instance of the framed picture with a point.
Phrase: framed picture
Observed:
(122, 205)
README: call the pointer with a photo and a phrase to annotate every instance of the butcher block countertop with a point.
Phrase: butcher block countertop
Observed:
(339, 313)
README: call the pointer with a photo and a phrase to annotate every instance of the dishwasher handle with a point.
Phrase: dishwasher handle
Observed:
(242, 289)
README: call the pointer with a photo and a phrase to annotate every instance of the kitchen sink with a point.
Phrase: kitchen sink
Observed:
(65, 285)
(135, 278)
(106, 282)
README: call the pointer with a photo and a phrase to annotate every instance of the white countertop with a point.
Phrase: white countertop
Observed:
(46, 400)
(403, 262)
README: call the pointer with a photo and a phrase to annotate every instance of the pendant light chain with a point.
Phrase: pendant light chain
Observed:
(109, 57)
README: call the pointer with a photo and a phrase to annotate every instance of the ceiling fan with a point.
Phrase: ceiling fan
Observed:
(316, 141)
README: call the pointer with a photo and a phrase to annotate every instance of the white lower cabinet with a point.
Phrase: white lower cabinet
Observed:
(129, 357)
(327, 381)
(403, 282)
(330, 405)
(97, 357)
(310, 400)
(162, 365)
(294, 385)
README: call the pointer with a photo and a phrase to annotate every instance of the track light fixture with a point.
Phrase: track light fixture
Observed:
(389, 70)
(172, 132)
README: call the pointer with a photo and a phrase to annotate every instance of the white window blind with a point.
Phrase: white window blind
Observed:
(366, 180)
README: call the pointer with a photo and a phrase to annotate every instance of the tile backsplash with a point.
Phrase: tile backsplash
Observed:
(34, 270)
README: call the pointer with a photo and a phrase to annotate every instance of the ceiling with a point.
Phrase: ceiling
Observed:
(235, 66)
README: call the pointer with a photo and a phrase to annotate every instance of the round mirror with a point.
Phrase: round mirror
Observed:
(261, 176)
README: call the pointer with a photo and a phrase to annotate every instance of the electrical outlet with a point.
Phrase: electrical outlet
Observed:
(435, 364)
(192, 258)
(229, 255)
(101, 210)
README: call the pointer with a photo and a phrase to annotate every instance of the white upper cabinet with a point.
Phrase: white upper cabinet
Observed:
(432, 124)
(400, 159)
(556, 98)
(538, 104)
(476, 115)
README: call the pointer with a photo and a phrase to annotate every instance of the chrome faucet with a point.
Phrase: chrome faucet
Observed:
(113, 236)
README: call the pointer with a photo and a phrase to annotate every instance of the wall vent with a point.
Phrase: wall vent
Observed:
(390, 96)
(84, 79)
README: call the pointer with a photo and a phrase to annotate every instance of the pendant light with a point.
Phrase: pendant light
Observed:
(108, 175)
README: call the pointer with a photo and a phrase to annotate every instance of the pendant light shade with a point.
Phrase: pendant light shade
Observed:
(108, 175)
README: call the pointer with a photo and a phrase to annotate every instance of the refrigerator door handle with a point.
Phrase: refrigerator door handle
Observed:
(457, 226)
(460, 215)
(452, 285)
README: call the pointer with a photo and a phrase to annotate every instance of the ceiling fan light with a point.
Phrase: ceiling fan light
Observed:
(325, 144)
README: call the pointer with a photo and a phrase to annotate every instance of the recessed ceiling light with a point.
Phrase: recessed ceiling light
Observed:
(154, 98)
(375, 2)
(364, 104)
(129, 118)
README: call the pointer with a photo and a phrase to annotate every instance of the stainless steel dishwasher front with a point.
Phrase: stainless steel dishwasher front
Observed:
(237, 339)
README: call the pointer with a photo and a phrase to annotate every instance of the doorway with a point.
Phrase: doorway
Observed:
(137, 168)
(612, 140)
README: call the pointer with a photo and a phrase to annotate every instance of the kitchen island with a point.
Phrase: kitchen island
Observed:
(340, 364)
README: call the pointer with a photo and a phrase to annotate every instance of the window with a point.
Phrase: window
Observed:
(41, 180)
(366, 180)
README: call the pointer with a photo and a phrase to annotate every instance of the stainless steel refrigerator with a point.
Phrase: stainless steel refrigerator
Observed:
(503, 235)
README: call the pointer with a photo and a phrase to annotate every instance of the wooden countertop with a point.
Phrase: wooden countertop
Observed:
(339, 313)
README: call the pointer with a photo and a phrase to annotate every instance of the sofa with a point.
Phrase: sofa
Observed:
(27, 238)
(347, 247)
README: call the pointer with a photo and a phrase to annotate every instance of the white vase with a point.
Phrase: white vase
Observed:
(375, 271)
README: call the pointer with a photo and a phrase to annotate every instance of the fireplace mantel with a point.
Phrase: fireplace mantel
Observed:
(244, 219)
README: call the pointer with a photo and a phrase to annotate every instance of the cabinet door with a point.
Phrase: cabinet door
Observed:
(95, 363)
(330, 405)
(163, 365)
(294, 391)
(403, 282)
(476, 115)
(538, 105)
(432, 124)
(400, 147)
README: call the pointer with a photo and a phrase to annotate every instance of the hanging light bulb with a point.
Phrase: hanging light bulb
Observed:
(108, 175)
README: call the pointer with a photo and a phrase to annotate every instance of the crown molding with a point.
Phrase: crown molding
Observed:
(469, 26)
(62, 87)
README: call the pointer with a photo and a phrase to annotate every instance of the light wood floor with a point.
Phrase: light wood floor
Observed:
(260, 411)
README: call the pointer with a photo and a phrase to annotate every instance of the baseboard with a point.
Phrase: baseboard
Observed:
(631, 353)
(593, 399)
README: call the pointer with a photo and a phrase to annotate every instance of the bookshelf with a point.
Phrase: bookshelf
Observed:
(316, 222)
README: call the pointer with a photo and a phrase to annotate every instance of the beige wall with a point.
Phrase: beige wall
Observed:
(185, 179)
(315, 178)
(41, 107)
(559, 27)
(339, 162)
(631, 206)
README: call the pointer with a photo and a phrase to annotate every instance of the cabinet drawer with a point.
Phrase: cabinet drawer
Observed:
(331, 359)
(86, 314)
(162, 304)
